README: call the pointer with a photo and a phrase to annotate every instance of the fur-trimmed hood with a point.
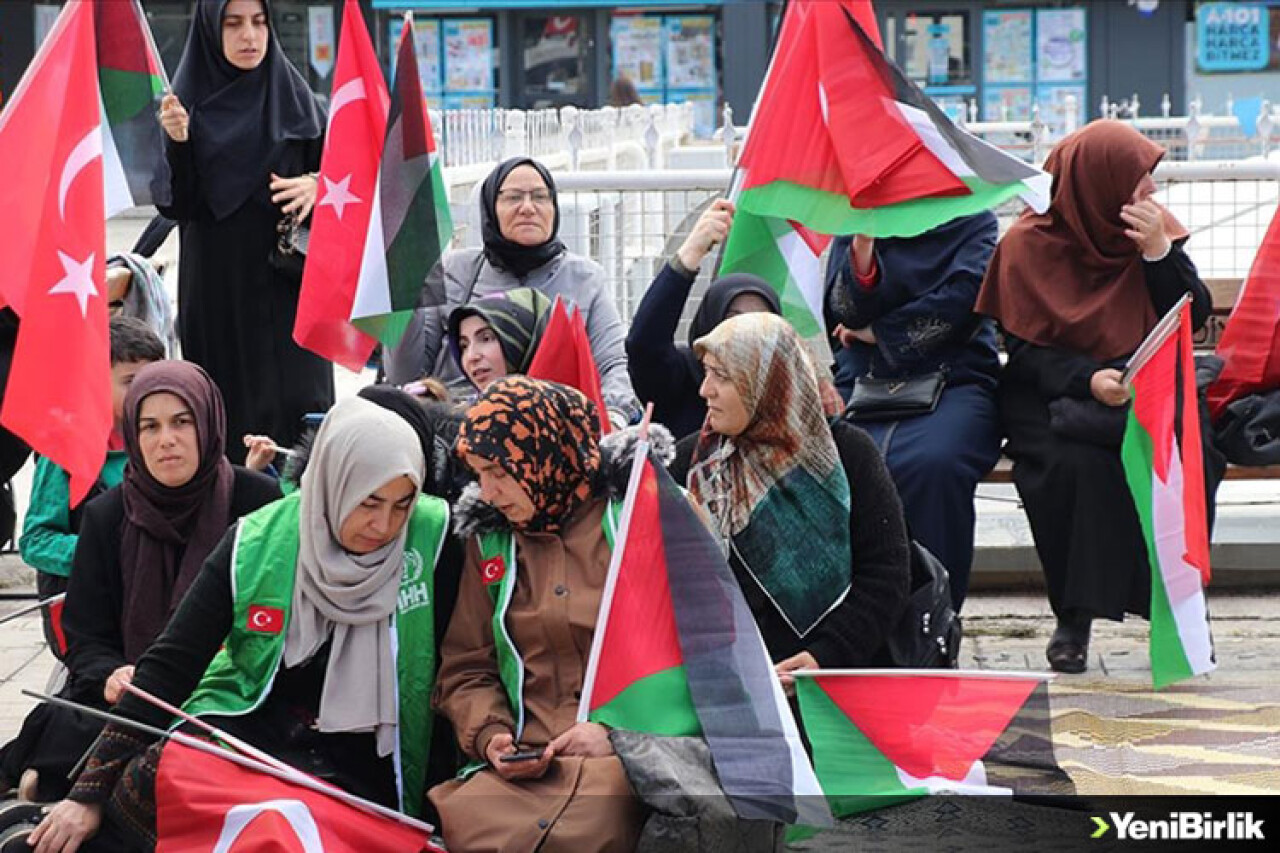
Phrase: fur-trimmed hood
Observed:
(445, 475)
(472, 516)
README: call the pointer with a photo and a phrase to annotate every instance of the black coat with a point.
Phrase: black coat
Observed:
(853, 634)
(1083, 520)
(236, 311)
(95, 596)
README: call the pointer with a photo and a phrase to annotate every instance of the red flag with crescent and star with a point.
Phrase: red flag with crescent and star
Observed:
(204, 802)
(340, 221)
(52, 216)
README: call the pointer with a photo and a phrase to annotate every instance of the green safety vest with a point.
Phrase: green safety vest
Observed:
(264, 563)
(498, 549)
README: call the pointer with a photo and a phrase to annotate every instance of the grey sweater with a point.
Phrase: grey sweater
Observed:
(468, 275)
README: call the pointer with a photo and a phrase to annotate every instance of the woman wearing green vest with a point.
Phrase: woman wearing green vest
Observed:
(516, 651)
(300, 621)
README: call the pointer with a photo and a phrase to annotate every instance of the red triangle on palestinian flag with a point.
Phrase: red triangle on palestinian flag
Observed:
(564, 356)
(677, 652)
(131, 81)
(640, 680)
(1161, 455)
(881, 736)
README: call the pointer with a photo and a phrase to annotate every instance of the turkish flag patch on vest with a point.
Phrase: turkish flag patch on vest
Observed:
(493, 570)
(265, 620)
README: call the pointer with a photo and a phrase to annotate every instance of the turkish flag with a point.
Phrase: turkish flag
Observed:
(204, 802)
(564, 356)
(1250, 343)
(52, 252)
(340, 221)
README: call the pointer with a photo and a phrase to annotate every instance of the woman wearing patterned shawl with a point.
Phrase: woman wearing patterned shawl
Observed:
(497, 335)
(807, 512)
(535, 568)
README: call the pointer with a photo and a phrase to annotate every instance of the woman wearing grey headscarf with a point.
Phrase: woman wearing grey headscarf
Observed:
(311, 600)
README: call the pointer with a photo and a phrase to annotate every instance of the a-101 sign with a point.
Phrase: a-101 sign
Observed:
(1232, 36)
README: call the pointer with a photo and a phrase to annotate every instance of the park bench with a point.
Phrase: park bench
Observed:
(1225, 291)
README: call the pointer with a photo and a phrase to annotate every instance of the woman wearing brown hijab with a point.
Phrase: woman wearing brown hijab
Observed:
(1075, 290)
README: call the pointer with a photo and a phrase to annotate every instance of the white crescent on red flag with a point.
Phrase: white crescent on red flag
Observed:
(52, 213)
(340, 220)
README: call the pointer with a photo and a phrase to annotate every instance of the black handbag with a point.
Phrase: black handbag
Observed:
(876, 399)
(290, 253)
(927, 635)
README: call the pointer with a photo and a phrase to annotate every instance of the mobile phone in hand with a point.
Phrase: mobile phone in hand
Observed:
(524, 755)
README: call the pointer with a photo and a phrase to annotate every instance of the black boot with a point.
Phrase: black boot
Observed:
(1068, 649)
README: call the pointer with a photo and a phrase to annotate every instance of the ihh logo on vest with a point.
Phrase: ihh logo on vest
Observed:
(413, 589)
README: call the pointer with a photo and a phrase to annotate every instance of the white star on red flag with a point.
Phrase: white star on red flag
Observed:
(78, 280)
(338, 195)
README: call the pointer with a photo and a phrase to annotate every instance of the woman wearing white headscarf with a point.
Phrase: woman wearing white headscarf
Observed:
(302, 596)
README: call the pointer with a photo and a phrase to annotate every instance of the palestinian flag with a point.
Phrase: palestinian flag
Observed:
(877, 156)
(410, 225)
(1250, 343)
(564, 356)
(677, 652)
(131, 82)
(884, 736)
(1161, 453)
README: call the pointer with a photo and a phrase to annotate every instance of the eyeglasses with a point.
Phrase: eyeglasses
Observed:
(515, 198)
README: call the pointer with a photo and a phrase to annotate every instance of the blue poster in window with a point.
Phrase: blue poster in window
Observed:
(1232, 36)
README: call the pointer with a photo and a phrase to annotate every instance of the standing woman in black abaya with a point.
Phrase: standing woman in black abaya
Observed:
(244, 136)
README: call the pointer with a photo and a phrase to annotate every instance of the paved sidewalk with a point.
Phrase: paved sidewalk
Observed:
(1215, 734)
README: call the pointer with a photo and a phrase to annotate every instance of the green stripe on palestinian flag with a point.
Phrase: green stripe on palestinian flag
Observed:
(788, 257)
(410, 225)
(1166, 479)
(131, 83)
(883, 736)
(878, 157)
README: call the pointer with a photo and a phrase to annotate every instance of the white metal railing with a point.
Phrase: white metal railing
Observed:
(632, 221)
(1195, 136)
(567, 137)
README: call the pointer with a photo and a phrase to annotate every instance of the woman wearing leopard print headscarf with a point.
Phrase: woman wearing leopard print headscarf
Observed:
(515, 655)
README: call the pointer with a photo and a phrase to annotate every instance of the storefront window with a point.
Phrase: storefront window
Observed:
(937, 49)
(555, 52)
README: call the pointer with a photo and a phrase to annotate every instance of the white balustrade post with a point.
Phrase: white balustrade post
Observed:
(1265, 125)
(1071, 115)
(1192, 128)
(1038, 129)
(513, 132)
(1166, 106)
(610, 116)
(1104, 109)
(653, 137)
(570, 123)
(729, 134)
(1134, 106)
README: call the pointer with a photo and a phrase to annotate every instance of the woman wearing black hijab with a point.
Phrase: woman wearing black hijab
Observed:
(668, 375)
(520, 218)
(244, 135)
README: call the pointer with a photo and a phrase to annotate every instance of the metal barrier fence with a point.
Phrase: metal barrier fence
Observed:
(631, 222)
(566, 137)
